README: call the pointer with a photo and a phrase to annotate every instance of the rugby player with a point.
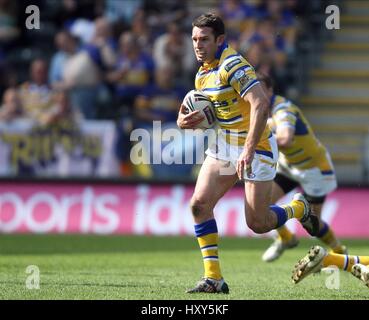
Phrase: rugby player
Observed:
(303, 162)
(244, 144)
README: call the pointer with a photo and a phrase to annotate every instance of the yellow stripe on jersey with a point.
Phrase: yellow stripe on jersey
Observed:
(306, 150)
(226, 81)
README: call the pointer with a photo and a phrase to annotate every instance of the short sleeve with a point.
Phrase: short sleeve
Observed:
(285, 118)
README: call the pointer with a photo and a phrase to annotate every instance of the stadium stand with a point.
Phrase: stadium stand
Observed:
(286, 39)
(337, 99)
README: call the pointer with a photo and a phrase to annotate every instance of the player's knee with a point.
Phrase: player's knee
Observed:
(258, 227)
(199, 207)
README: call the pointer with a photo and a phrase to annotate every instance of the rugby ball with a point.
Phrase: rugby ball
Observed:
(197, 100)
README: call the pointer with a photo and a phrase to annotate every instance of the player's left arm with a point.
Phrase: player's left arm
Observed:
(285, 122)
(284, 136)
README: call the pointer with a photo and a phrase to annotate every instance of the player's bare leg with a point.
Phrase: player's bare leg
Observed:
(326, 234)
(211, 185)
(261, 217)
(206, 195)
(285, 239)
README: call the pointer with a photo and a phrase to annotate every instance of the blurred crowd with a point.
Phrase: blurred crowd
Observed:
(131, 61)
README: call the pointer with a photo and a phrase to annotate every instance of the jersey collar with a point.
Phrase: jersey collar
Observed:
(272, 100)
(220, 50)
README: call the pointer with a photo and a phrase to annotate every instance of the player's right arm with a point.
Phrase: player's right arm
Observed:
(187, 120)
(241, 76)
(258, 119)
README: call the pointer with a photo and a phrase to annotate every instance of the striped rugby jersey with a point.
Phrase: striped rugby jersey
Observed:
(226, 81)
(306, 151)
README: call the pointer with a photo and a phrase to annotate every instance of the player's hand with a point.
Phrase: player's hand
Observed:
(244, 163)
(189, 120)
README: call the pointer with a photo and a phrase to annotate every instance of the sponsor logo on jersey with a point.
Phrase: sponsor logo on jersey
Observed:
(242, 77)
(231, 64)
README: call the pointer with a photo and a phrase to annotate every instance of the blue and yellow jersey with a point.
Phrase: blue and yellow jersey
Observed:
(226, 81)
(306, 151)
(36, 99)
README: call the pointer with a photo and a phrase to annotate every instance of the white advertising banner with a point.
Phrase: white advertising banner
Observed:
(66, 150)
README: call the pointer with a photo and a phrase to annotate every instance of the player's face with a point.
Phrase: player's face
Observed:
(205, 44)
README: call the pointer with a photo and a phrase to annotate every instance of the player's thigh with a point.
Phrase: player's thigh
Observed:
(283, 183)
(212, 182)
(258, 199)
(277, 192)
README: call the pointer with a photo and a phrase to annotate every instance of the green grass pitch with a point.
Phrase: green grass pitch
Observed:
(131, 267)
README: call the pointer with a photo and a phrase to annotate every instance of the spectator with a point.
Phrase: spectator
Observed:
(163, 12)
(160, 101)
(8, 22)
(60, 110)
(142, 32)
(254, 54)
(272, 45)
(71, 10)
(133, 71)
(67, 46)
(267, 51)
(36, 94)
(11, 108)
(238, 16)
(284, 22)
(175, 49)
(104, 41)
(121, 10)
(82, 29)
(78, 69)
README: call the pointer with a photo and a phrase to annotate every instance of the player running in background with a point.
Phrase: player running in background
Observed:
(318, 258)
(303, 162)
(245, 148)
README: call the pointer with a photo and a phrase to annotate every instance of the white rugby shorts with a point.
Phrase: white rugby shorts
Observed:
(313, 181)
(263, 167)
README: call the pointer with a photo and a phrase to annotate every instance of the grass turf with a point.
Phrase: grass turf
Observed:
(130, 267)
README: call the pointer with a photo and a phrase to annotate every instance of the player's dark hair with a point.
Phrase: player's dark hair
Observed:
(268, 81)
(212, 21)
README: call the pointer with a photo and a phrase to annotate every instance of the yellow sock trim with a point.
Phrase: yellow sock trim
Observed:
(295, 209)
(339, 249)
(298, 208)
(285, 234)
(331, 241)
(209, 250)
(344, 262)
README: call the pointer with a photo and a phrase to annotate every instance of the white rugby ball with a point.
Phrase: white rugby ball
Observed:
(197, 100)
